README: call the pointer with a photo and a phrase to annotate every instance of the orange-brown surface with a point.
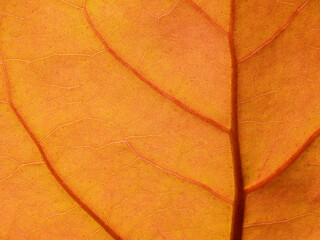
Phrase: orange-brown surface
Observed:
(162, 119)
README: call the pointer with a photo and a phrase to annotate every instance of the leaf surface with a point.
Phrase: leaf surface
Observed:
(162, 119)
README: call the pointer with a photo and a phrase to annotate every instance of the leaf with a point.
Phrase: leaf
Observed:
(163, 119)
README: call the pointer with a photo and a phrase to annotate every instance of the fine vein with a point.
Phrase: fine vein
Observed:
(199, 184)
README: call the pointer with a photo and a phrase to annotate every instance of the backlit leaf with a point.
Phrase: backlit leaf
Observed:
(159, 119)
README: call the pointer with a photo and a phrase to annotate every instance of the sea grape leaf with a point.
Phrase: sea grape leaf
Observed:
(163, 119)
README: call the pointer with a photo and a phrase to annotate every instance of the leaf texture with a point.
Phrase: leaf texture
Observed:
(163, 119)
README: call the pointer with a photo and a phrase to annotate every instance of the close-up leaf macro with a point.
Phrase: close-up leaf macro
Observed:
(159, 119)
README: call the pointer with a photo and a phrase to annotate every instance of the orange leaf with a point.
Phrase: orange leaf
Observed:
(162, 119)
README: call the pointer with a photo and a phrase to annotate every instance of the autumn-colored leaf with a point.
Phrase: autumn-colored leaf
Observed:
(160, 119)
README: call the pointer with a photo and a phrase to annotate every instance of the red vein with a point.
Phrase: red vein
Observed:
(200, 10)
(146, 81)
(48, 164)
(116, 56)
(281, 221)
(201, 185)
(239, 201)
(275, 35)
(297, 154)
